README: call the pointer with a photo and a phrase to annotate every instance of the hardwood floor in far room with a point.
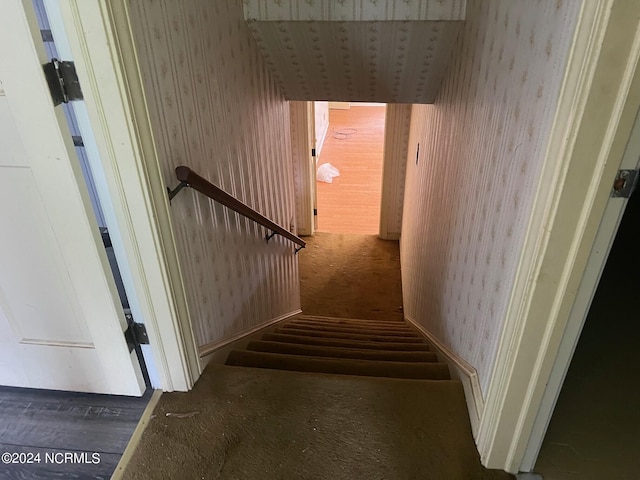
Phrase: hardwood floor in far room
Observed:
(351, 204)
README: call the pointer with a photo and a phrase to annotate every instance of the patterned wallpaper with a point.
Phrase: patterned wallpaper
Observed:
(396, 141)
(392, 51)
(361, 10)
(469, 194)
(215, 107)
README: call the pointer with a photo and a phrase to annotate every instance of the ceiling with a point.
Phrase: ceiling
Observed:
(393, 51)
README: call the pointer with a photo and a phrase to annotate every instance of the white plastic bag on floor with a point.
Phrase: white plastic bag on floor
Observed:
(326, 172)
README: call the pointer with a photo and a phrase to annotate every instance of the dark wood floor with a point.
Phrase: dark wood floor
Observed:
(52, 424)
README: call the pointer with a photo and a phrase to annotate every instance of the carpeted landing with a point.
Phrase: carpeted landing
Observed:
(245, 423)
(331, 399)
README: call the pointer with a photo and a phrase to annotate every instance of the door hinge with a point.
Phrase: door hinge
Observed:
(106, 241)
(313, 152)
(136, 333)
(625, 183)
(63, 81)
(46, 35)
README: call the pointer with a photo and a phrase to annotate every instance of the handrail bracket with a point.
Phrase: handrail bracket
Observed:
(297, 249)
(269, 237)
(176, 191)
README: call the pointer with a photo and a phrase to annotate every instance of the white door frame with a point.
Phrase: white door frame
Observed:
(597, 260)
(598, 103)
(100, 193)
(302, 141)
(100, 38)
(61, 320)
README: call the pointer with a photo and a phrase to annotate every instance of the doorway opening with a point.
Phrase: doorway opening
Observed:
(593, 430)
(349, 137)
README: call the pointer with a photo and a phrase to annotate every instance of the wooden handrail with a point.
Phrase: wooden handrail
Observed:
(202, 185)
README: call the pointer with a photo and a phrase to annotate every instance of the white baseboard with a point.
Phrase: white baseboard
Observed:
(136, 436)
(462, 371)
(389, 236)
(320, 141)
(218, 351)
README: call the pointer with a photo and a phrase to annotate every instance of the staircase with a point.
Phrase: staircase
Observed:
(343, 346)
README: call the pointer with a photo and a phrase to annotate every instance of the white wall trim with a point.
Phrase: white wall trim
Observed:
(323, 135)
(460, 370)
(390, 236)
(302, 118)
(136, 436)
(606, 235)
(102, 46)
(212, 347)
(320, 141)
(100, 188)
(591, 126)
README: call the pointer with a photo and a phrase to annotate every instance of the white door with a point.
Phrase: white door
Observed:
(61, 323)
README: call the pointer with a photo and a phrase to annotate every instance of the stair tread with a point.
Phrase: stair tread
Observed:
(350, 336)
(338, 342)
(347, 319)
(340, 327)
(340, 352)
(377, 368)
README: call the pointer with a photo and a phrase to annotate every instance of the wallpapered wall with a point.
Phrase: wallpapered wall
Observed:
(360, 10)
(396, 141)
(392, 51)
(469, 196)
(390, 62)
(215, 107)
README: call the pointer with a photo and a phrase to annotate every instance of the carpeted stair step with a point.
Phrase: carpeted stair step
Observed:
(349, 336)
(339, 352)
(348, 329)
(338, 342)
(351, 320)
(386, 326)
(345, 322)
(372, 368)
